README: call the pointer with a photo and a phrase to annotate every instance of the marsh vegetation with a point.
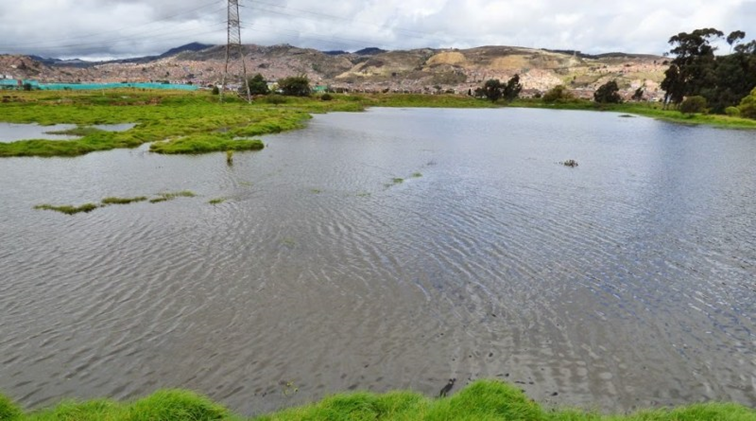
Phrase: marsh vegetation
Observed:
(89, 207)
(195, 123)
(483, 400)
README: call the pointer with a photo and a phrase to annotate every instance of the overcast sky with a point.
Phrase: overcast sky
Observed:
(97, 29)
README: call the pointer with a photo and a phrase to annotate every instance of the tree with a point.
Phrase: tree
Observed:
(692, 69)
(295, 86)
(693, 105)
(258, 85)
(638, 95)
(558, 94)
(748, 105)
(493, 90)
(734, 37)
(608, 93)
(512, 89)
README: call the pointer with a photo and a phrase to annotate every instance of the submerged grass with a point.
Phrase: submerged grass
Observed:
(68, 209)
(78, 131)
(483, 400)
(122, 200)
(89, 207)
(164, 197)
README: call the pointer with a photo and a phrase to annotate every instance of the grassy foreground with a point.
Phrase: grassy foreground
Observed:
(178, 122)
(483, 400)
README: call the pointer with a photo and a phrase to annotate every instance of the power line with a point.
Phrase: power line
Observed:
(234, 43)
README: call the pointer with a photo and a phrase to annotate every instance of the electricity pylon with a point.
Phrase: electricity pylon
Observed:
(234, 48)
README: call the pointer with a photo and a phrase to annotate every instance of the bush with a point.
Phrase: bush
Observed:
(326, 97)
(608, 93)
(216, 90)
(257, 86)
(275, 99)
(732, 111)
(693, 105)
(295, 86)
(558, 94)
(748, 105)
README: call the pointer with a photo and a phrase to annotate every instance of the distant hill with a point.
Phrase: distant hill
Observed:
(194, 46)
(369, 69)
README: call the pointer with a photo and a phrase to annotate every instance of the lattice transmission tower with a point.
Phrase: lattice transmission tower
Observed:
(234, 51)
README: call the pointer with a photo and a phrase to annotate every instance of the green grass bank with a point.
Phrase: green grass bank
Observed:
(176, 122)
(482, 400)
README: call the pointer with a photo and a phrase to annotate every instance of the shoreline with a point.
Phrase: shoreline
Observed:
(177, 122)
(481, 400)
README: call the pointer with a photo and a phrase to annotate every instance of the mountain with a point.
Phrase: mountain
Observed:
(370, 69)
(194, 46)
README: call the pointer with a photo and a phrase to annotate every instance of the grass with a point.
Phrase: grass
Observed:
(78, 131)
(122, 200)
(417, 175)
(482, 400)
(89, 207)
(217, 201)
(177, 122)
(69, 210)
(164, 197)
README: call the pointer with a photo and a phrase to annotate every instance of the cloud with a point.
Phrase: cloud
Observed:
(119, 28)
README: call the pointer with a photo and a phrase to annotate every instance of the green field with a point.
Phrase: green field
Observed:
(175, 122)
(480, 401)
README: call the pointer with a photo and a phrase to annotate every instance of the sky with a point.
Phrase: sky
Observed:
(106, 29)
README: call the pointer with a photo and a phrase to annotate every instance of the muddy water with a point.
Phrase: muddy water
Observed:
(625, 282)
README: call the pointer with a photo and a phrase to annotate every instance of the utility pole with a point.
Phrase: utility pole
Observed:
(234, 49)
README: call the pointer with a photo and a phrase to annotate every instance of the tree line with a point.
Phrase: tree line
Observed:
(725, 82)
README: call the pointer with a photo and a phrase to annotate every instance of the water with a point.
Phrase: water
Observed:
(625, 282)
(10, 132)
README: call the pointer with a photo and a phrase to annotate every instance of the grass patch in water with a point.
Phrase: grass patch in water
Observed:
(164, 197)
(77, 131)
(122, 200)
(417, 175)
(69, 210)
(217, 201)
(483, 400)
(398, 180)
(205, 143)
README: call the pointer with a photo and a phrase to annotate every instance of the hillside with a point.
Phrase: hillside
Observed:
(370, 69)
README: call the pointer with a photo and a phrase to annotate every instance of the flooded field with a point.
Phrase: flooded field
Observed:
(391, 249)
(10, 132)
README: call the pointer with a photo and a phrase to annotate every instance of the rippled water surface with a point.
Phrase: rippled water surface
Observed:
(627, 281)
